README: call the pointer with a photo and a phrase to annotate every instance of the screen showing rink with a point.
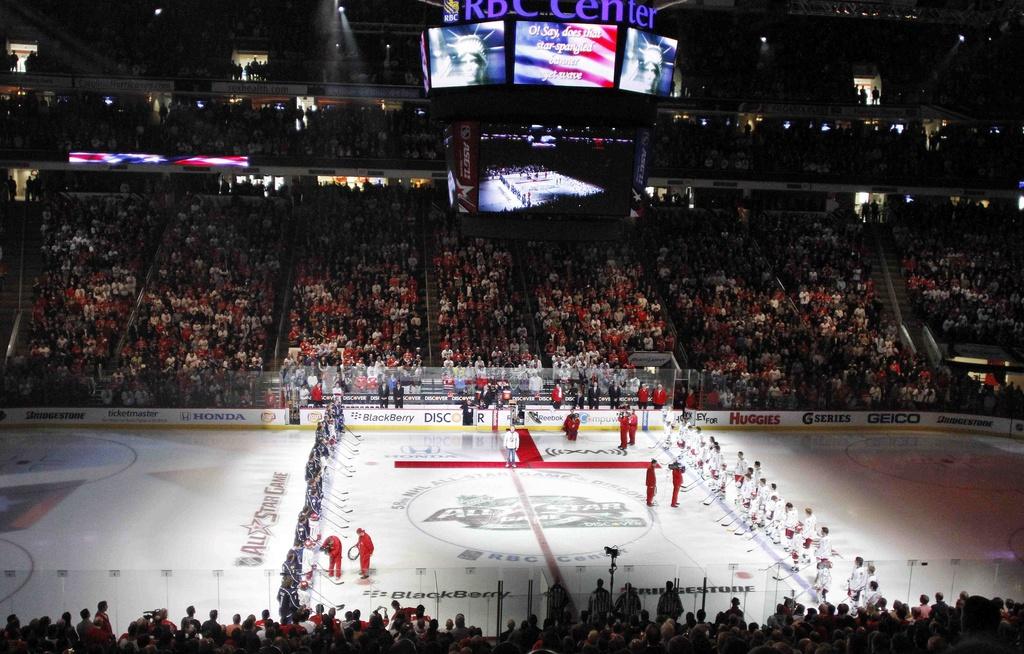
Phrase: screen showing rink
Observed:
(555, 170)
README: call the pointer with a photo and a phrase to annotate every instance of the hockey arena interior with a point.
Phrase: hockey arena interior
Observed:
(561, 326)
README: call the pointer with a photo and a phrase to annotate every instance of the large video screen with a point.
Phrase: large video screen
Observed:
(565, 54)
(648, 63)
(467, 55)
(555, 170)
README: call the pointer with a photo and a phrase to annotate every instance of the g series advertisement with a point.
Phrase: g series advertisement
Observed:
(462, 147)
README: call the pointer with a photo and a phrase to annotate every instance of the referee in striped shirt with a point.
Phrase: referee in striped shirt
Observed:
(600, 603)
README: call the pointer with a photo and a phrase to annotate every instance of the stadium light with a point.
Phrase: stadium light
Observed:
(764, 39)
(158, 11)
(962, 38)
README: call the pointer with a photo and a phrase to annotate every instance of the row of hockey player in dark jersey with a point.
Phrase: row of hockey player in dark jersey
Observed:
(318, 531)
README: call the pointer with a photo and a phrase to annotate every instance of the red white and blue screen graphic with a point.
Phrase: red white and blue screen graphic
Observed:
(648, 63)
(467, 55)
(565, 54)
(118, 158)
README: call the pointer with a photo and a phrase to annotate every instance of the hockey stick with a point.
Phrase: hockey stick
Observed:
(797, 571)
(333, 523)
(324, 599)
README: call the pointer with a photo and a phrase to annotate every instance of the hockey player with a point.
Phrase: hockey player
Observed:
(571, 425)
(790, 523)
(715, 462)
(772, 511)
(723, 481)
(758, 503)
(652, 481)
(332, 545)
(739, 470)
(365, 545)
(288, 600)
(823, 555)
(857, 582)
(677, 481)
(633, 423)
(809, 531)
(623, 429)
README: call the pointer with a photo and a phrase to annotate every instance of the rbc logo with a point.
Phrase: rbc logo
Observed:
(450, 11)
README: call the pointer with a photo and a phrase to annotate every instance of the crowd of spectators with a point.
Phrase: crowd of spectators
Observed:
(94, 260)
(192, 39)
(358, 274)
(201, 333)
(963, 270)
(125, 124)
(809, 59)
(822, 147)
(779, 312)
(970, 624)
(479, 305)
(593, 302)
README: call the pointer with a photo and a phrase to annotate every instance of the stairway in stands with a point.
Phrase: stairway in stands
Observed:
(885, 268)
(22, 253)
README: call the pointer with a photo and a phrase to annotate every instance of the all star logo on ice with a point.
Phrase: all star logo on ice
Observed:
(484, 515)
(553, 511)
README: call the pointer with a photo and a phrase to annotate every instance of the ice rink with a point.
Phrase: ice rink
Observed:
(167, 518)
(535, 190)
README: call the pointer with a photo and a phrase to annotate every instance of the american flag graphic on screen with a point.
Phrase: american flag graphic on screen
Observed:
(565, 54)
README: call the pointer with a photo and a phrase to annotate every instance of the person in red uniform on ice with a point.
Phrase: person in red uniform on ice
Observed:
(652, 481)
(677, 481)
(659, 397)
(365, 551)
(623, 428)
(332, 545)
(642, 396)
(571, 426)
(557, 396)
(633, 422)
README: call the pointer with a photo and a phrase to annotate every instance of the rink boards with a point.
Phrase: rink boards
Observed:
(539, 419)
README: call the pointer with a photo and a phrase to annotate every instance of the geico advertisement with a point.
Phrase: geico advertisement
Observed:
(838, 420)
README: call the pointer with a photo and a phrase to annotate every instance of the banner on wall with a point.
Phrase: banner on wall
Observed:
(135, 417)
(850, 420)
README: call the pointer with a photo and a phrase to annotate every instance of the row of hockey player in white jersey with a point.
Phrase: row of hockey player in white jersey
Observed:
(762, 507)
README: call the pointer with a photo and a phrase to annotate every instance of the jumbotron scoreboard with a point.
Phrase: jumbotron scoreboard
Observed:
(549, 103)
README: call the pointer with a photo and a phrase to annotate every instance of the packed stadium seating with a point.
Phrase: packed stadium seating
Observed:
(820, 147)
(780, 312)
(205, 315)
(479, 305)
(357, 278)
(594, 301)
(962, 271)
(98, 123)
(94, 253)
